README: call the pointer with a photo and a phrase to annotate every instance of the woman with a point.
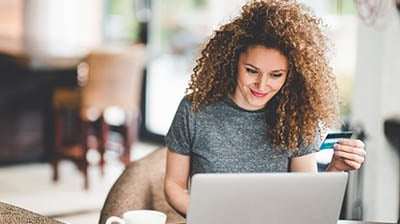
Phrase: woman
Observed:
(260, 97)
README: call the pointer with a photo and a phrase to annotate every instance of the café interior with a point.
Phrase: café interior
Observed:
(112, 73)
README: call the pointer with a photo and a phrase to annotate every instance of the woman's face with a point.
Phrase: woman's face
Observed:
(261, 74)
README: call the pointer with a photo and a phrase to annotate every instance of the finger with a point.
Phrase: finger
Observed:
(352, 164)
(340, 164)
(352, 142)
(350, 156)
(350, 149)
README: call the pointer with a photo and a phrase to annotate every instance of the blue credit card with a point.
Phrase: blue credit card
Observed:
(333, 137)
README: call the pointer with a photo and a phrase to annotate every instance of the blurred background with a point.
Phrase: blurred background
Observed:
(117, 69)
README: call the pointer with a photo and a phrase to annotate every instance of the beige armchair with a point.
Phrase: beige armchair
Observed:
(140, 186)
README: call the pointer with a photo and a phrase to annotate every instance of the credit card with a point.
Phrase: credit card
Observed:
(333, 137)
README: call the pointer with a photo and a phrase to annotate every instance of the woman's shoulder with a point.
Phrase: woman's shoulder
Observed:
(184, 105)
(185, 102)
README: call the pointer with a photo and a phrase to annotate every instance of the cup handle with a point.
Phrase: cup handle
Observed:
(112, 219)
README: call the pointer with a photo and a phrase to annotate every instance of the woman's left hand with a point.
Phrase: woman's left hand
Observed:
(348, 154)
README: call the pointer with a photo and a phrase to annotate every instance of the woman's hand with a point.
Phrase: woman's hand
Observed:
(349, 154)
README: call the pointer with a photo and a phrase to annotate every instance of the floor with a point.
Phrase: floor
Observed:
(30, 186)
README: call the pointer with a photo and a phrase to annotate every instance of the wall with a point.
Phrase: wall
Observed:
(376, 96)
(11, 19)
(62, 29)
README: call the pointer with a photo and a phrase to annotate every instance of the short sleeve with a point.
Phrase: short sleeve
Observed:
(178, 137)
(310, 148)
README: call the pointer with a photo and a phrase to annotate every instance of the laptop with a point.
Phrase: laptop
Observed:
(277, 198)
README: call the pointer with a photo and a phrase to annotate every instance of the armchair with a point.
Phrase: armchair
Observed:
(140, 186)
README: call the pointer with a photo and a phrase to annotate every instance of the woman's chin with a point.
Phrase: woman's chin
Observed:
(256, 105)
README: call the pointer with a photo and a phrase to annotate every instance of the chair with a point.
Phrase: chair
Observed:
(70, 131)
(140, 186)
(111, 91)
(110, 81)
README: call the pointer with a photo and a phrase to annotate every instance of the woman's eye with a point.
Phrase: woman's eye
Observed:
(252, 71)
(276, 75)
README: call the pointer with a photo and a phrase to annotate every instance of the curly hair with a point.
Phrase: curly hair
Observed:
(307, 102)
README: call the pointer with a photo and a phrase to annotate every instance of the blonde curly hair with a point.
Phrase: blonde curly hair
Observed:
(307, 101)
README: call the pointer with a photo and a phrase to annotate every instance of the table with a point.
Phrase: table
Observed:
(361, 222)
(348, 222)
(26, 130)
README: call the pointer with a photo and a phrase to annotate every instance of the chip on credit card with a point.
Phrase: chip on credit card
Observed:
(333, 137)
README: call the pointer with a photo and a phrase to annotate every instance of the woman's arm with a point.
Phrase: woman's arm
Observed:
(306, 163)
(176, 181)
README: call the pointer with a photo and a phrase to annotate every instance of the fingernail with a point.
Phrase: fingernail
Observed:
(336, 152)
(340, 141)
(335, 146)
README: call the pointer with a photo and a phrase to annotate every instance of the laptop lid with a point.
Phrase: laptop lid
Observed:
(278, 198)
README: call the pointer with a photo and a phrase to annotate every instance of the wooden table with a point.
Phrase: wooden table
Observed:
(26, 130)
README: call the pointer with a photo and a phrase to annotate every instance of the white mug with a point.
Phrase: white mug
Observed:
(139, 217)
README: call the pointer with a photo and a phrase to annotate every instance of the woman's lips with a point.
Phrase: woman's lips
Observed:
(257, 94)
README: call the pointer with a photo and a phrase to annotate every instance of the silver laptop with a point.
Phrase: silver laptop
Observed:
(277, 198)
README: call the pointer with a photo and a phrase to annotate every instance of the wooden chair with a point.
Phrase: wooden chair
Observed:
(108, 79)
(70, 131)
(114, 84)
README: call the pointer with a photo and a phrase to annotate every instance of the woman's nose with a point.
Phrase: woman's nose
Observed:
(263, 83)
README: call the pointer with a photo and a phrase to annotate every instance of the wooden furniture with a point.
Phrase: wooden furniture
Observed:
(70, 131)
(111, 90)
(107, 100)
(26, 130)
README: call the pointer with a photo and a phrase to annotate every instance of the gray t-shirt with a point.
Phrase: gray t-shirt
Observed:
(224, 138)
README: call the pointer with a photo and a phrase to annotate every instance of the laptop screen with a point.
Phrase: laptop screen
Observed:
(278, 198)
